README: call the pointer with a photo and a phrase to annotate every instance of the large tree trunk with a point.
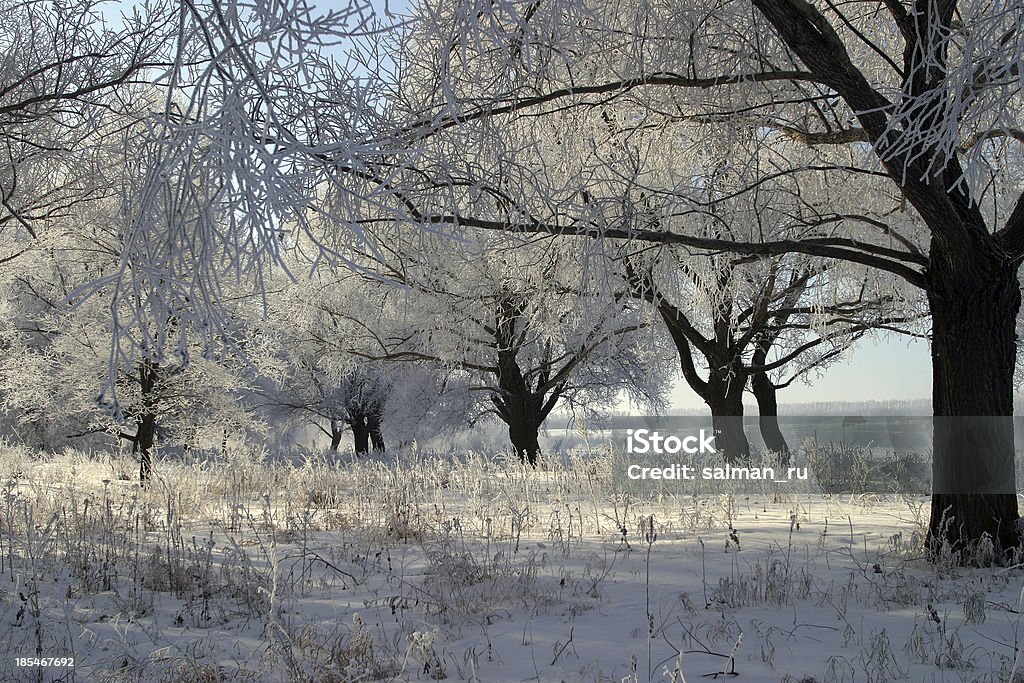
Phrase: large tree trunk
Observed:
(523, 433)
(975, 297)
(519, 407)
(725, 399)
(970, 280)
(523, 412)
(768, 415)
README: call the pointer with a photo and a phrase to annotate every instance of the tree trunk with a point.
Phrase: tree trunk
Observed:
(145, 425)
(373, 425)
(970, 280)
(145, 435)
(974, 297)
(723, 389)
(336, 433)
(768, 415)
(518, 406)
(523, 435)
(523, 412)
(360, 434)
(725, 399)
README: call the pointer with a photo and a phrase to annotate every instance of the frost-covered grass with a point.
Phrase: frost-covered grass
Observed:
(473, 567)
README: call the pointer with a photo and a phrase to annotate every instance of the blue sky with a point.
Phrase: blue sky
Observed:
(890, 367)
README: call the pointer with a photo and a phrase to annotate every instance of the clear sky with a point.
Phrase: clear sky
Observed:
(890, 367)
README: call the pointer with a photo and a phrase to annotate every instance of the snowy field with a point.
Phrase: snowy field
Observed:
(474, 568)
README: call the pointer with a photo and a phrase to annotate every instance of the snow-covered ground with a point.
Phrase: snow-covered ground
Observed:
(470, 567)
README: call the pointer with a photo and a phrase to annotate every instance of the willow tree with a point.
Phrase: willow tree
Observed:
(740, 324)
(923, 95)
(527, 320)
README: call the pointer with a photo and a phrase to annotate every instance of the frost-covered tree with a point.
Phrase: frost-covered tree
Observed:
(71, 74)
(530, 321)
(753, 327)
(57, 360)
(317, 334)
(60, 371)
(354, 401)
(924, 95)
(755, 324)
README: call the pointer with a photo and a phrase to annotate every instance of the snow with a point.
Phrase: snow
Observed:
(471, 567)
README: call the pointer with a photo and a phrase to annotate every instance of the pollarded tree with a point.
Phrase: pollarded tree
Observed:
(923, 94)
(363, 394)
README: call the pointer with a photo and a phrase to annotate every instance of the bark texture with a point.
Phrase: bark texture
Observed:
(970, 277)
(974, 298)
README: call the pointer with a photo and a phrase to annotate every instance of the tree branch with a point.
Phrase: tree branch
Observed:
(837, 248)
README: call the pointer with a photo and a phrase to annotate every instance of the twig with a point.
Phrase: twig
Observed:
(564, 645)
